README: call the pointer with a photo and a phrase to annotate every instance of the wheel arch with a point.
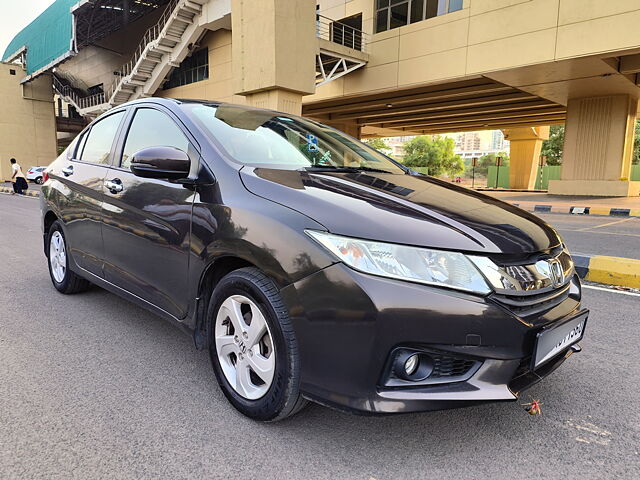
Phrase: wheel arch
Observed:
(47, 221)
(212, 274)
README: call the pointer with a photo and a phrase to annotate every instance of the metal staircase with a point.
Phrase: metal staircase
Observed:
(163, 47)
(342, 49)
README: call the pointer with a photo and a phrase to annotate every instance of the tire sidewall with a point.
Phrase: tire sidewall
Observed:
(269, 406)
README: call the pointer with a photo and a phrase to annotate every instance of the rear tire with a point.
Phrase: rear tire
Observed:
(39, 180)
(274, 393)
(62, 277)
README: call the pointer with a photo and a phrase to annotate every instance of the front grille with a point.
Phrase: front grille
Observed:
(446, 366)
(526, 304)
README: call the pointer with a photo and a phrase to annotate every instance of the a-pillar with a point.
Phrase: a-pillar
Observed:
(273, 52)
(526, 143)
(598, 147)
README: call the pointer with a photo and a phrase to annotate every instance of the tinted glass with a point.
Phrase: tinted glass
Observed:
(455, 5)
(399, 15)
(432, 9)
(381, 20)
(271, 140)
(152, 128)
(416, 10)
(99, 140)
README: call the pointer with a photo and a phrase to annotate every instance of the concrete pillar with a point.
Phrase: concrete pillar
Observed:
(350, 128)
(526, 143)
(598, 145)
(273, 52)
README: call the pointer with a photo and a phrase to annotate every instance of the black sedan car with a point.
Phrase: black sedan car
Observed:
(310, 266)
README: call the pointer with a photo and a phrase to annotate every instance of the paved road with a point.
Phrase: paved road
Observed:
(598, 235)
(94, 387)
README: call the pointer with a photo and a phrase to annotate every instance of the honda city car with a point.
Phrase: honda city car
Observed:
(309, 265)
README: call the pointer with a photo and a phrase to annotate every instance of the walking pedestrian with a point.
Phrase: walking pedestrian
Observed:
(18, 178)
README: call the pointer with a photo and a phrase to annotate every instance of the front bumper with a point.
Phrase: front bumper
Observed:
(348, 325)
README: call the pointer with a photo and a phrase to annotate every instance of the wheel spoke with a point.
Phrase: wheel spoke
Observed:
(258, 327)
(226, 346)
(234, 313)
(262, 366)
(243, 381)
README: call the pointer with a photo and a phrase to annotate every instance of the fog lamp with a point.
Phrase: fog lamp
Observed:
(411, 365)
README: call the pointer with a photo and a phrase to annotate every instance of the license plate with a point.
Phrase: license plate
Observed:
(557, 338)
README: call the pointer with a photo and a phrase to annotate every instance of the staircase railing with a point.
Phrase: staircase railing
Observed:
(149, 36)
(342, 34)
(79, 101)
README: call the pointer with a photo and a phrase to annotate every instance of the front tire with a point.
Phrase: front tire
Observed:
(62, 277)
(252, 346)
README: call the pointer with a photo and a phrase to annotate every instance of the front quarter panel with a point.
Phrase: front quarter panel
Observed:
(228, 220)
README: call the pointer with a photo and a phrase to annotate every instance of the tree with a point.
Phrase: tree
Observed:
(433, 153)
(486, 161)
(379, 144)
(553, 147)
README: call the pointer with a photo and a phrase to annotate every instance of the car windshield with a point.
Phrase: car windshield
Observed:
(266, 139)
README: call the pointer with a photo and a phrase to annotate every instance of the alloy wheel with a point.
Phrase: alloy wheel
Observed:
(245, 347)
(58, 257)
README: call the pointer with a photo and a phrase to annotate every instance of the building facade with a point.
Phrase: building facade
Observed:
(370, 67)
(27, 123)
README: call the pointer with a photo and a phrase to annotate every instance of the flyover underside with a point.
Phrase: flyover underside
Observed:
(474, 104)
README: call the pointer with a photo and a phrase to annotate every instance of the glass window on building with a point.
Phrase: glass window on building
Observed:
(398, 13)
(193, 69)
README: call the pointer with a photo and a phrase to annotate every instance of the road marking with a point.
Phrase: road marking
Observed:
(604, 224)
(612, 290)
(590, 433)
(601, 233)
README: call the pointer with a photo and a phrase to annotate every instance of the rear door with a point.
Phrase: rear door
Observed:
(147, 222)
(83, 175)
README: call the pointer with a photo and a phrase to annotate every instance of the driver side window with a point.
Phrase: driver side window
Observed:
(152, 128)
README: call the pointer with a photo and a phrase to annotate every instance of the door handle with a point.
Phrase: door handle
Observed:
(114, 186)
(67, 171)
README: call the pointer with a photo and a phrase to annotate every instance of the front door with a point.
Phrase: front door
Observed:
(147, 222)
(83, 175)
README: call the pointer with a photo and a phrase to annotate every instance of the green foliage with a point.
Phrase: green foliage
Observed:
(636, 146)
(486, 161)
(435, 153)
(379, 144)
(552, 148)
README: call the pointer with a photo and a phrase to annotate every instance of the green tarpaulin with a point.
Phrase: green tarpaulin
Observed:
(47, 38)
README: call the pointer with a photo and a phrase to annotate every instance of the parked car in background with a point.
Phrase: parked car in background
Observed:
(309, 265)
(34, 174)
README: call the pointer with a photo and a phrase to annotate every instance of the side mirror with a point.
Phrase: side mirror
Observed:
(161, 162)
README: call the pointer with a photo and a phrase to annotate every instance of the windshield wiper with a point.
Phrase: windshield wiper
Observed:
(337, 168)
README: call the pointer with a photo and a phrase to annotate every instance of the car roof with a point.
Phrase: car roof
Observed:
(169, 102)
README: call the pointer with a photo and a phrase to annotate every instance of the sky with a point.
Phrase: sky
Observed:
(15, 15)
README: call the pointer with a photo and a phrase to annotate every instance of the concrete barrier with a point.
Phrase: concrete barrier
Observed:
(28, 193)
(624, 272)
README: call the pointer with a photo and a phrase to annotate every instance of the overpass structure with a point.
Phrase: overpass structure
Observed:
(370, 68)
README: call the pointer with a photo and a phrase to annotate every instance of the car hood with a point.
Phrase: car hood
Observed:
(405, 209)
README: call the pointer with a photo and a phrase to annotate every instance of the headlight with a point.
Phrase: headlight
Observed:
(432, 267)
